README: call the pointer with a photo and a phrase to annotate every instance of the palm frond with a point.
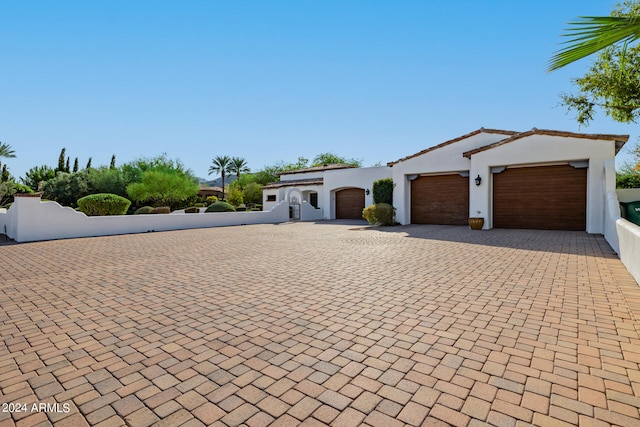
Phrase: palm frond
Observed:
(590, 34)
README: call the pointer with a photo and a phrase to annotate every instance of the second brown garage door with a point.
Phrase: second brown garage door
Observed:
(542, 197)
(440, 199)
(349, 203)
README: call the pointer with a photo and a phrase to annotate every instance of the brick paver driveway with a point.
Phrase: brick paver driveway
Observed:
(319, 324)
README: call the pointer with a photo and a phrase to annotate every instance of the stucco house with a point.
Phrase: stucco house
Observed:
(540, 179)
(333, 191)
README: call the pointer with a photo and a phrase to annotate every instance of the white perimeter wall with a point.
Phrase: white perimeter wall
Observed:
(339, 179)
(29, 219)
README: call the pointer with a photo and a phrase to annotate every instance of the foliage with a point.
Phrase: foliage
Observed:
(612, 84)
(239, 166)
(212, 199)
(75, 165)
(383, 191)
(252, 193)
(591, 34)
(106, 180)
(220, 207)
(331, 158)
(67, 188)
(144, 210)
(112, 165)
(235, 196)
(61, 157)
(7, 190)
(88, 164)
(37, 175)
(628, 180)
(4, 175)
(6, 151)
(221, 165)
(103, 204)
(613, 81)
(161, 210)
(379, 213)
(162, 188)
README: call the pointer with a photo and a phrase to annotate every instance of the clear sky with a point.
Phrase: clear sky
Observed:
(272, 80)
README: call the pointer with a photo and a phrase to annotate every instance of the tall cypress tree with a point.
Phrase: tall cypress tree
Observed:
(67, 169)
(113, 162)
(60, 167)
(75, 165)
(88, 164)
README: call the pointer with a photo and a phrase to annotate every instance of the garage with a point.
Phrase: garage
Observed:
(541, 197)
(349, 203)
(440, 199)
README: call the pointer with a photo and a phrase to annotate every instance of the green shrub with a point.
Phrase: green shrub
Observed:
(161, 210)
(380, 213)
(383, 191)
(144, 210)
(103, 204)
(236, 197)
(628, 180)
(220, 207)
(212, 199)
(192, 209)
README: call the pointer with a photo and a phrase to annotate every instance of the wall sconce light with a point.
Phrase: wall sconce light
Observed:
(367, 192)
(478, 180)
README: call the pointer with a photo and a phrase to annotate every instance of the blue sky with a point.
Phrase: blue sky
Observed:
(274, 80)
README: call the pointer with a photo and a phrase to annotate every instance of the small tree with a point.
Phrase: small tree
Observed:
(112, 165)
(37, 175)
(332, 159)
(235, 196)
(162, 189)
(383, 191)
(61, 157)
(252, 193)
(75, 165)
(88, 164)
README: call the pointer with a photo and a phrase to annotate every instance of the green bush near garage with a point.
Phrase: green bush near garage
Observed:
(103, 204)
(380, 213)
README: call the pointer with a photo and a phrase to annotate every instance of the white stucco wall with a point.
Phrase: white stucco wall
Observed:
(628, 194)
(540, 150)
(350, 178)
(36, 220)
(301, 175)
(448, 158)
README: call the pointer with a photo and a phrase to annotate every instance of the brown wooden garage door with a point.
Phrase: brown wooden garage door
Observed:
(440, 199)
(543, 197)
(349, 203)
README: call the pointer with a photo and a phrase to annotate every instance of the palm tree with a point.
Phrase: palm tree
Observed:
(239, 165)
(221, 165)
(6, 150)
(591, 34)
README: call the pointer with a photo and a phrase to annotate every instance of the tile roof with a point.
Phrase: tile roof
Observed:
(294, 182)
(451, 141)
(318, 168)
(619, 139)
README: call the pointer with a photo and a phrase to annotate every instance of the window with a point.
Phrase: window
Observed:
(271, 197)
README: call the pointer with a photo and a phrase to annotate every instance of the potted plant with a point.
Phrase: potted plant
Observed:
(477, 222)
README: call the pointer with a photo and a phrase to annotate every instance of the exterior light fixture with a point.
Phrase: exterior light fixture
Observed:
(478, 180)
(366, 191)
